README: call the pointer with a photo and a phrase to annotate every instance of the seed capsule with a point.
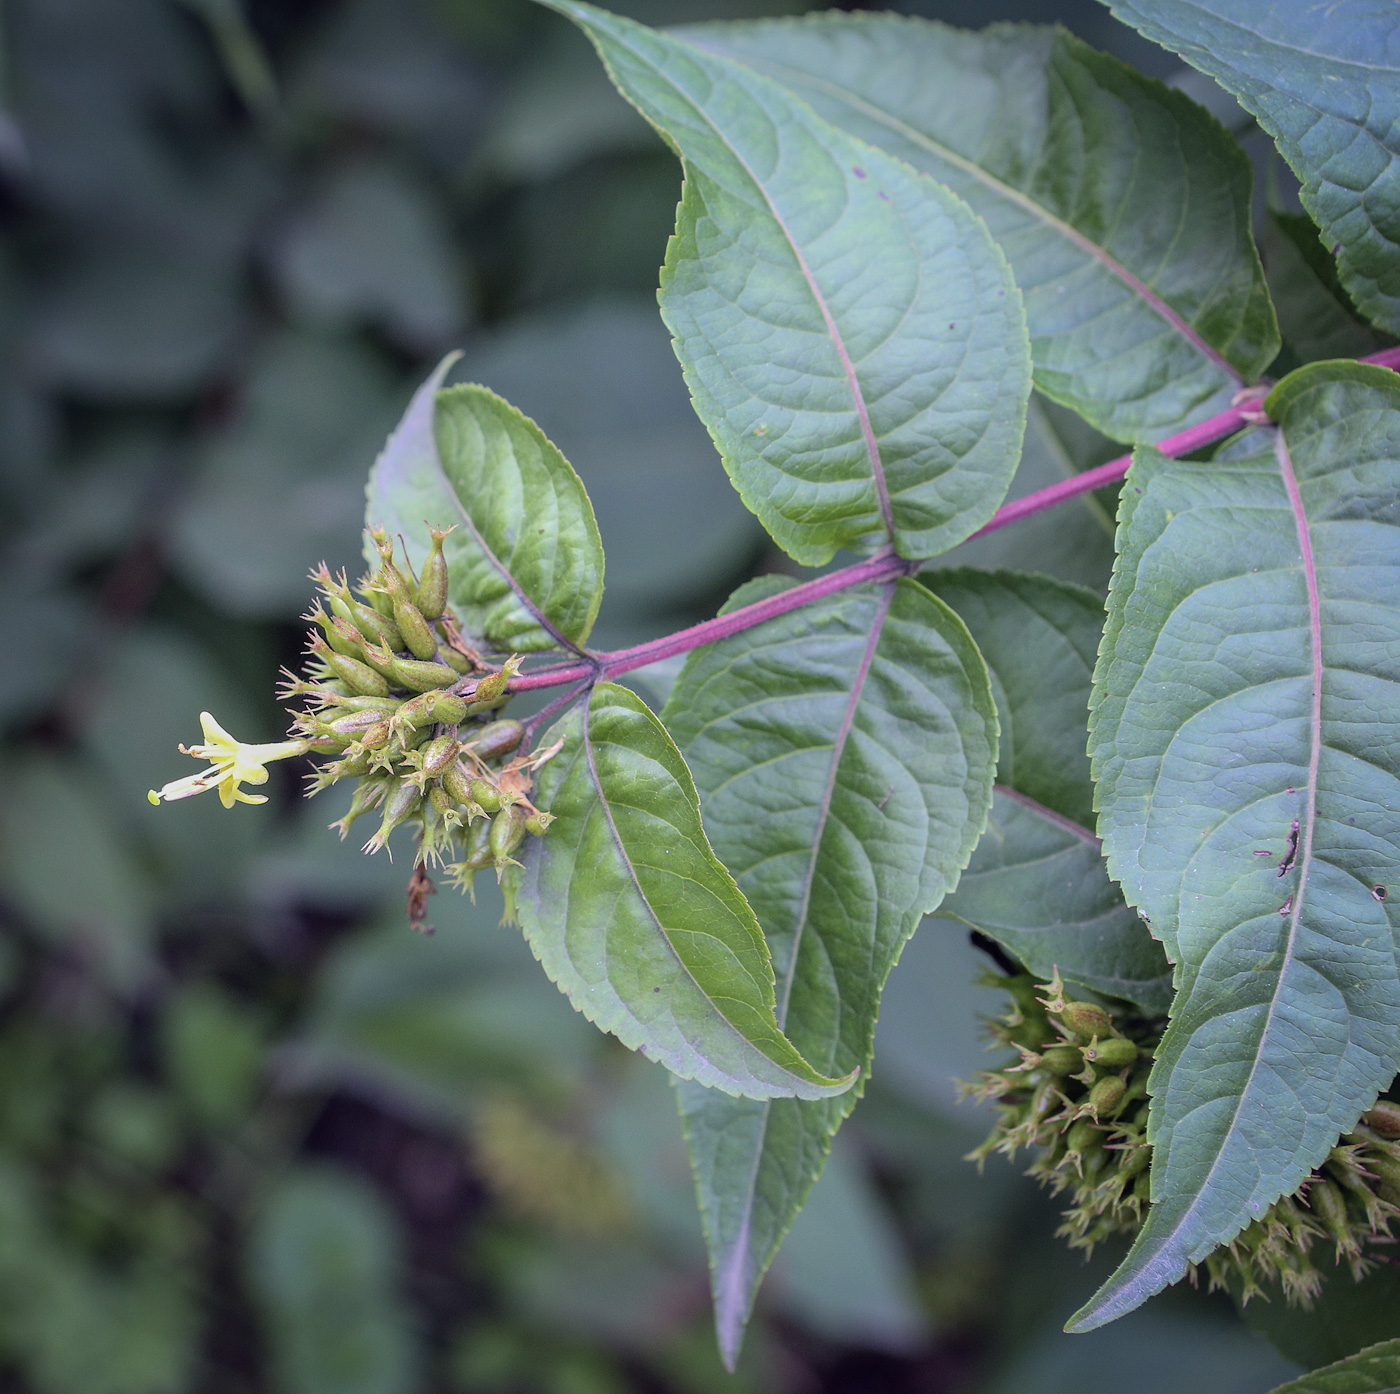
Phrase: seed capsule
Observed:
(1111, 1054)
(1086, 1019)
(487, 795)
(499, 738)
(537, 824)
(507, 833)
(432, 585)
(422, 676)
(1062, 1060)
(1384, 1117)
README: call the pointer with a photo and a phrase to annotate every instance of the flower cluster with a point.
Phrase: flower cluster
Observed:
(1077, 1098)
(395, 698)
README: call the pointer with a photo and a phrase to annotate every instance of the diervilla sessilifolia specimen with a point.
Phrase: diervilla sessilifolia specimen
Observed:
(889, 231)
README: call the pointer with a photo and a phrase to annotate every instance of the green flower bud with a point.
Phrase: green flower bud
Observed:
(402, 803)
(478, 848)
(386, 706)
(497, 739)
(453, 659)
(1142, 1187)
(1062, 1060)
(507, 833)
(1384, 1117)
(484, 794)
(1386, 1168)
(1106, 1097)
(421, 676)
(1135, 1160)
(1086, 1019)
(1111, 1054)
(417, 633)
(432, 585)
(1329, 1205)
(1044, 1099)
(448, 708)
(440, 755)
(458, 783)
(369, 793)
(493, 686)
(357, 676)
(537, 824)
(376, 737)
(1082, 1136)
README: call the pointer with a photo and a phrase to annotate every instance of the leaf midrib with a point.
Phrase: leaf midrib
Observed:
(502, 569)
(1066, 230)
(872, 446)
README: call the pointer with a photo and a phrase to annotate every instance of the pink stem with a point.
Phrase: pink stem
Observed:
(888, 567)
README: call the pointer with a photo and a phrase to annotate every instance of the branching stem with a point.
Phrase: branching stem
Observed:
(885, 567)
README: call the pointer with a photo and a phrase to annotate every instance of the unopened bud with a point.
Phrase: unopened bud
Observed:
(507, 833)
(422, 676)
(1082, 1136)
(1384, 1117)
(417, 633)
(1107, 1096)
(487, 795)
(448, 708)
(1086, 1019)
(1062, 1060)
(497, 739)
(494, 685)
(440, 755)
(432, 585)
(401, 804)
(358, 677)
(1330, 1206)
(1386, 1168)
(1111, 1054)
(537, 824)
(368, 794)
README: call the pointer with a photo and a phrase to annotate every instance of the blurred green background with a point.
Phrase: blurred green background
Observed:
(254, 1134)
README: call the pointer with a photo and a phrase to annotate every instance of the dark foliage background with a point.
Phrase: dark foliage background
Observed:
(254, 1134)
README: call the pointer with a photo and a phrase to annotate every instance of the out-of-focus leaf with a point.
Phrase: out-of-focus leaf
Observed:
(1247, 773)
(1346, 1316)
(324, 1261)
(1122, 207)
(1321, 80)
(871, 407)
(1314, 312)
(603, 384)
(525, 562)
(1375, 1370)
(66, 864)
(372, 246)
(134, 324)
(842, 1272)
(1037, 882)
(213, 1050)
(50, 632)
(636, 919)
(281, 488)
(436, 1024)
(844, 754)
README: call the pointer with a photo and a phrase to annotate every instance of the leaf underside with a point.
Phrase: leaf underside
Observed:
(851, 335)
(1248, 779)
(1321, 78)
(844, 757)
(524, 558)
(630, 913)
(1123, 207)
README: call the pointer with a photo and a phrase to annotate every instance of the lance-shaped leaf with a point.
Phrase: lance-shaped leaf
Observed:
(1321, 79)
(1123, 207)
(1037, 882)
(636, 920)
(525, 562)
(850, 333)
(1375, 1370)
(844, 756)
(1246, 751)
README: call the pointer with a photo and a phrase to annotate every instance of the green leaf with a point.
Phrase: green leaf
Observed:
(525, 559)
(1037, 882)
(1316, 315)
(850, 333)
(1375, 1370)
(1123, 207)
(844, 753)
(636, 920)
(1244, 747)
(1321, 80)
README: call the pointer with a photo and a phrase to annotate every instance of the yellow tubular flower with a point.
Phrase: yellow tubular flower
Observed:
(232, 763)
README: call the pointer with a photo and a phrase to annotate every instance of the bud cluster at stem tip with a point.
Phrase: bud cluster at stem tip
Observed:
(397, 700)
(1077, 1098)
